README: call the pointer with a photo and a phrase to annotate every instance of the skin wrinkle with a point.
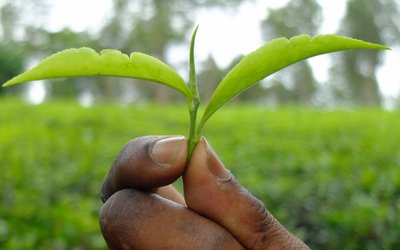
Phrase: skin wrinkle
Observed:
(146, 220)
(266, 229)
(259, 211)
(259, 235)
(117, 233)
(110, 184)
(131, 230)
(217, 241)
(288, 242)
(104, 221)
(113, 227)
(134, 158)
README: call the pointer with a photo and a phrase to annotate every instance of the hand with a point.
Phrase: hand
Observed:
(142, 209)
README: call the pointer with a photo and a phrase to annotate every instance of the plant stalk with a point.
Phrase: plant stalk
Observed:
(194, 104)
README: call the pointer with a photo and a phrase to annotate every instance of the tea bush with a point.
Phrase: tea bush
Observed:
(333, 178)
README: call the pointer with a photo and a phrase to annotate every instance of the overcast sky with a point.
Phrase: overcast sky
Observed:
(226, 34)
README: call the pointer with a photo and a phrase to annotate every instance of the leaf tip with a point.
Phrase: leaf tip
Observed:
(9, 83)
(196, 28)
(353, 42)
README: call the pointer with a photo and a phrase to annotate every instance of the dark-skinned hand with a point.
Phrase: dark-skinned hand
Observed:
(142, 210)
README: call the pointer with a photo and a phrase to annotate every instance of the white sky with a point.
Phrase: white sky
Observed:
(226, 34)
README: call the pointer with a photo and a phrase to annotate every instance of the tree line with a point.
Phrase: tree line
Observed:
(154, 26)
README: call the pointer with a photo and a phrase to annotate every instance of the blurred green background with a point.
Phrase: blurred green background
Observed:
(332, 177)
(323, 155)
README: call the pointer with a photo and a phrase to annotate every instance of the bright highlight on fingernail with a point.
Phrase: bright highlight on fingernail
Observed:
(165, 151)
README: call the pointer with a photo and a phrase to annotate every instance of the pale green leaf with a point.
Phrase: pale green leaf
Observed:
(273, 56)
(87, 62)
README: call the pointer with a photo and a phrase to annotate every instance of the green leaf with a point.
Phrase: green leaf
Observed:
(273, 56)
(87, 62)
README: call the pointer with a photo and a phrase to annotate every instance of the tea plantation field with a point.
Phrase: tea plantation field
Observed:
(331, 177)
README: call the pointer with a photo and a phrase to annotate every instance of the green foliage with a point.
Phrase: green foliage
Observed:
(273, 56)
(333, 178)
(330, 177)
(53, 160)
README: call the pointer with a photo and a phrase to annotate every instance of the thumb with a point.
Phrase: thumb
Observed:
(212, 191)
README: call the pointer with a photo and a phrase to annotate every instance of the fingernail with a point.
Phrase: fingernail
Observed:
(215, 165)
(165, 151)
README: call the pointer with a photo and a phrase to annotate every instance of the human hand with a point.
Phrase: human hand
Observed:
(142, 209)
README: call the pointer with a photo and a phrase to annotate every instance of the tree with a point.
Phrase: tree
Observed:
(209, 77)
(11, 63)
(18, 16)
(297, 17)
(354, 74)
(16, 19)
(43, 43)
(153, 27)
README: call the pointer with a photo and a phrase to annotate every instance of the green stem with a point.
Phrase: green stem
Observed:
(193, 137)
(194, 103)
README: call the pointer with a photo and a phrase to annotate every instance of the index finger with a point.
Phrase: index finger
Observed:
(146, 163)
